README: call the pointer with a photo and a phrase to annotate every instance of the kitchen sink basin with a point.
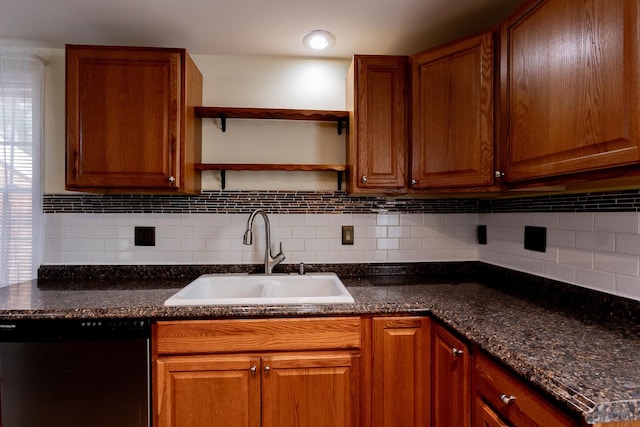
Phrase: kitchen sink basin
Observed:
(259, 289)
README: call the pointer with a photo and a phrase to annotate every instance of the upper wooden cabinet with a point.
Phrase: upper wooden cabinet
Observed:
(130, 123)
(570, 87)
(452, 142)
(377, 100)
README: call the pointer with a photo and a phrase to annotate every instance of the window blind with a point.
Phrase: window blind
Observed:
(21, 81)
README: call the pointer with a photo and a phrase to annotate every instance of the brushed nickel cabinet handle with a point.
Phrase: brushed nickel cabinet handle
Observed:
(507, 400)
(456, 352)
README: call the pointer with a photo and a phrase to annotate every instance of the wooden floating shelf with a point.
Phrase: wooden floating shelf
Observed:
(223, 113)
(223, 167)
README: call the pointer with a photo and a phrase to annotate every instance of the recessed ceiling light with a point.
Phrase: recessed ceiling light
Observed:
(319, 40)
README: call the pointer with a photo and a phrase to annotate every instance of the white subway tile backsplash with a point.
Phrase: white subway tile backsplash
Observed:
(560, 272)
(411, 219)
(596, 280)
(600, 250)
(596, 241)
(628, 286)
(303, 232)
(628, 243)
(386, 244)
(532, 266)
(615, 263)
(623, 222)
(399, 231)
(421, 231)
(575, 257)
(577, 221)
(545, 219)
(561, 238)
(388, 219)
(316, 244)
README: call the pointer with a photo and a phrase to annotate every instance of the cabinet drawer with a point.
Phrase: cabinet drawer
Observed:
(229, 336)
(527, 408)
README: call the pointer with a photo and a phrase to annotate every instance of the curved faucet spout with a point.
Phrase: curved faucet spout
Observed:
(270, 261)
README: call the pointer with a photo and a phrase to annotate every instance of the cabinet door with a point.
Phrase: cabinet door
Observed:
(486, 417)
(378, 129)
(212, 391)
(451, 380)
(400, 372)
(310, 390)
(123, 116)
(571, 87)
(452, 116)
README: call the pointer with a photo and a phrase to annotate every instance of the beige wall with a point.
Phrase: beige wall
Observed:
(235, 81)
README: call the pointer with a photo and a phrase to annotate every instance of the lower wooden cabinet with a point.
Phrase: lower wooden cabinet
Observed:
(400, 372)
(486, 417)
(280, 390)
(383, 371)
(195, 391)
(516, 402)
(451, 380)
(204, 375)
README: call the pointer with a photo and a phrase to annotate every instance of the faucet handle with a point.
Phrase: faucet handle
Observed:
(280, 256)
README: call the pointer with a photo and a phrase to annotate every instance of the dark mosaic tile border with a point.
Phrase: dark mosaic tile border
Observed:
(313, 202)
(611, 201)
(243, 202)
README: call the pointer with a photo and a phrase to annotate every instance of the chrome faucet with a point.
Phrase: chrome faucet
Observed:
(270, 261)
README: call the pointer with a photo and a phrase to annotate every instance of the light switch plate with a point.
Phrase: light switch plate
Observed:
(347, 234)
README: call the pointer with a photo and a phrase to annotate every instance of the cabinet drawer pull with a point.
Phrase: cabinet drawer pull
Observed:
(172, 180)
(507, 400)
(456, 352)
(253, 369)
(364, 179)
(414, 181)
(267, 369)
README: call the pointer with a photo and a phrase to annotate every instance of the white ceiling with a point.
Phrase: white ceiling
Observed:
(250, 27)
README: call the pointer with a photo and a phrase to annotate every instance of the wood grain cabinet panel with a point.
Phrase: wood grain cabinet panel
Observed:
(377, 100)
(400, 371)
(515, 401)
(130, 122)
(452, 142)
(215, 391)
(570, 87)
(451, 379)
(486, 417)
(311, 390)
(259, 384)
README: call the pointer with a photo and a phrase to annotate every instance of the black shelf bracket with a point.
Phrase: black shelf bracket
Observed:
(340, 124)
(223, 125)
(223, 178)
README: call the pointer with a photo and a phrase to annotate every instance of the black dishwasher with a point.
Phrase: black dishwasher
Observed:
(75, 373)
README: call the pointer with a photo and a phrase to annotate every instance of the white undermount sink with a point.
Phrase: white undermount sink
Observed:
(258, 289)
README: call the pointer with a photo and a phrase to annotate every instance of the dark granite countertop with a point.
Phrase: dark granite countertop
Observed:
(581, 348)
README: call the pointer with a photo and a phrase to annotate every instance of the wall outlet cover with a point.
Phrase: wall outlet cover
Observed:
(144, 236)
(535, 238)
(482, 234)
